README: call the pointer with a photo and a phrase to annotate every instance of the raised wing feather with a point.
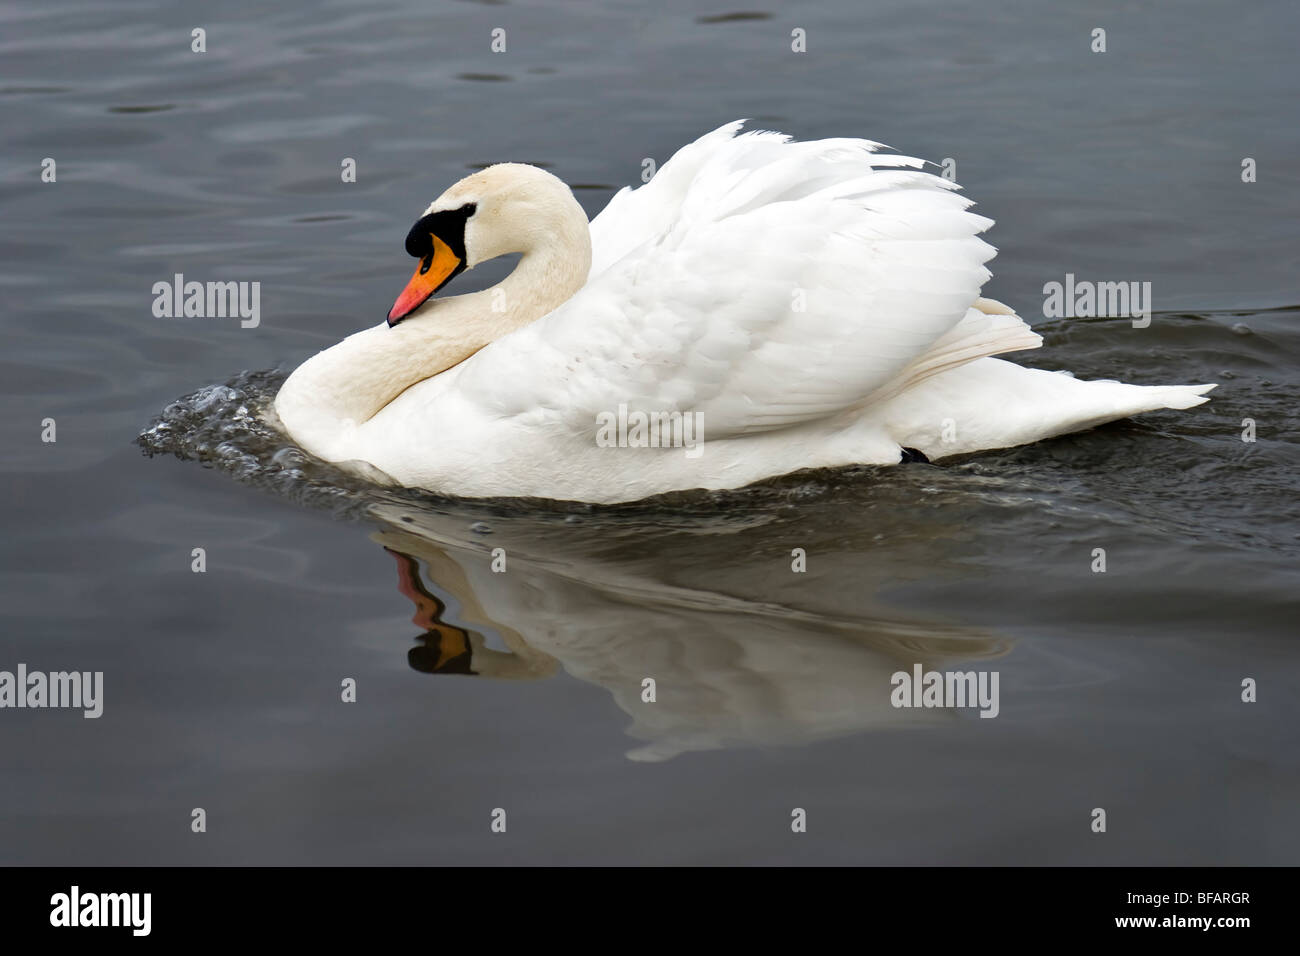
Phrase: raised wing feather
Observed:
(758, 281)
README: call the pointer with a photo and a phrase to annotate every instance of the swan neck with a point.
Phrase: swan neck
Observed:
(349, 384)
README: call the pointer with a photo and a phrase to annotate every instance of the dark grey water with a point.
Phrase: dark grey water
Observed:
(1119, 690)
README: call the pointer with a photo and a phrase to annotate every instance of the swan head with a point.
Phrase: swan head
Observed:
(506, 208)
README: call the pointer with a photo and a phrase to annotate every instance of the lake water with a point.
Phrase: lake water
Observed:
(1119, 690)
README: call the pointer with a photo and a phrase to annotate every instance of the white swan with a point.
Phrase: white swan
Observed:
(794, 305)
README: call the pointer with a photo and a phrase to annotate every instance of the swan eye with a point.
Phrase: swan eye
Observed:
(428, 261)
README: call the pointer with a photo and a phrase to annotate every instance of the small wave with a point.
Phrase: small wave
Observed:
(226, 427)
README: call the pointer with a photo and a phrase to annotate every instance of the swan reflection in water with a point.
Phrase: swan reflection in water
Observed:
(728, 670)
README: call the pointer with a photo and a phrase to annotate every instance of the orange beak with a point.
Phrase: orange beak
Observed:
(435, 270)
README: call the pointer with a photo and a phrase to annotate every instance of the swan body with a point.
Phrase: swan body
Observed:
(800, 305)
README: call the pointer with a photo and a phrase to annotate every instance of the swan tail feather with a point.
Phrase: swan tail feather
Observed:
(991, 403)
(1182, 396)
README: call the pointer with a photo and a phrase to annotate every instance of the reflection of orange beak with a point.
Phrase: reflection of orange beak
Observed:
(435, 271)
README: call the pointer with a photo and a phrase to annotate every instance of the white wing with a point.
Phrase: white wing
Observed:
(758, 281)
(634, 216)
